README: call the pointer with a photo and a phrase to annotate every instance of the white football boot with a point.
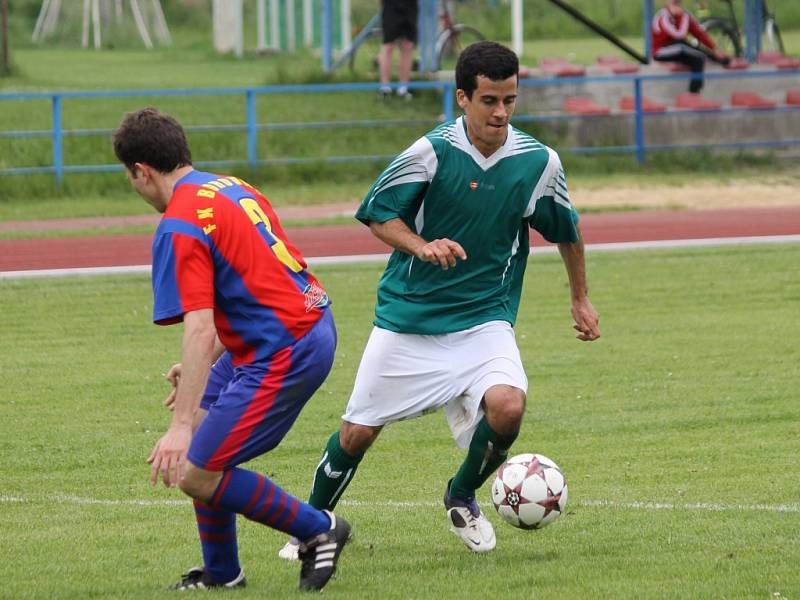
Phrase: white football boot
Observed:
(467, 521)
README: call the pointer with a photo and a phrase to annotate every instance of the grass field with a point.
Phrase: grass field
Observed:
(677, 432)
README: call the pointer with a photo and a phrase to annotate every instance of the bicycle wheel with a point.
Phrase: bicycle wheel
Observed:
(725, 36)
(772, 40)
(452, 42)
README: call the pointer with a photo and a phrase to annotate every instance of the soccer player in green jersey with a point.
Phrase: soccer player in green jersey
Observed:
(456, 206)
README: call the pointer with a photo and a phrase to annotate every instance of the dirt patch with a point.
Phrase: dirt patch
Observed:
(705, 195)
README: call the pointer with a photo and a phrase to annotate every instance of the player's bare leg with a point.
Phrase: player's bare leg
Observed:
(385, 69)
(503, 406)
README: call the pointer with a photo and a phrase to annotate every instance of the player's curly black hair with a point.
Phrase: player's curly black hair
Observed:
(153, 138)
(490, 59)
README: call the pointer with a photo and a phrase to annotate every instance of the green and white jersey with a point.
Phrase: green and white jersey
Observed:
(443, 187)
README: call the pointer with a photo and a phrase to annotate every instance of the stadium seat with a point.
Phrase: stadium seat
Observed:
(674, 67)
(738, 64)
(616, 65)
(577, 105)
(559, 67)
(793, 97)
(691, 101)
(788, 63)
(751, 100)
(770, 58)
(627, 103)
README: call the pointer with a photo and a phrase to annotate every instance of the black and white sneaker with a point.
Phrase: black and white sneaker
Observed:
(320, 554)
(197, 579)
(467, 521)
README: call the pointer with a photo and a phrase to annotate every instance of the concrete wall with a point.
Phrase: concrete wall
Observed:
(674, 127)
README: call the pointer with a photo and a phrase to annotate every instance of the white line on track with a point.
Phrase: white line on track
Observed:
(697, 506)
(362, 258)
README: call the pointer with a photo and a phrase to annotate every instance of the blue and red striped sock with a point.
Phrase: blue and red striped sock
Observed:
(217, 530)
(259, 499)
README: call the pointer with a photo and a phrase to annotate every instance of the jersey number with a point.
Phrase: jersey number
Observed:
(257, 215)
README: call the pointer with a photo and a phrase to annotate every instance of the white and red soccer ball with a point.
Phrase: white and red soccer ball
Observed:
(529, 491)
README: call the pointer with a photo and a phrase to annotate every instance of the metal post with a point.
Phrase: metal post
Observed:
(252, 138)
(647, 11)
(58, 142)
(327, 36)
(426, 26)
(638, 119)
(6, 65)
(517, 41)
(261, 25)
(448, 99)
(752, 28)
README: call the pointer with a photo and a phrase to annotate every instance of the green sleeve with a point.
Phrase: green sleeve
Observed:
(398, 189)
(557, 223)
(553, 215)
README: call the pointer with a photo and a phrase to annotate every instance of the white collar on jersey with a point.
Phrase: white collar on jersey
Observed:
(484, 162)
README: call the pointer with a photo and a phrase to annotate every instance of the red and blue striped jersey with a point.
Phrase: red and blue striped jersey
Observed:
(220, 245)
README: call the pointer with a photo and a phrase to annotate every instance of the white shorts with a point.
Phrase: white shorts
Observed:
(402, 376)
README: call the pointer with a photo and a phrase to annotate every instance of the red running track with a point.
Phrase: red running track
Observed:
(337, 240)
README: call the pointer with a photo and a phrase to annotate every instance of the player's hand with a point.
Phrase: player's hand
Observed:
(442, 252)
(169, 456)
(173, 376)
(587, 321)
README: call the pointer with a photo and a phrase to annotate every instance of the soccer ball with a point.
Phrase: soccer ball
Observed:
(529, 491)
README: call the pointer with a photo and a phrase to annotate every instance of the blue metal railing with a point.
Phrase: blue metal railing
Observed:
(251, 126)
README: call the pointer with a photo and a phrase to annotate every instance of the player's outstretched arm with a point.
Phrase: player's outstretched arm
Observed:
(587, 321)
(396, 233)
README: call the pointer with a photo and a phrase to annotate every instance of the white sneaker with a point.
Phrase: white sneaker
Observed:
(290, 550)
(468, 522)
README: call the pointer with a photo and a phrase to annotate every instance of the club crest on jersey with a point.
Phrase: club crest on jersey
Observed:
(315, 297)
(473, 185)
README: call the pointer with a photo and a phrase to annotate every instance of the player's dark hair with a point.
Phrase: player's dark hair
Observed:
(153, 138)
(490, 59)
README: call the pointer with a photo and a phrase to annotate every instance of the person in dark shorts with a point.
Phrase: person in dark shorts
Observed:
(399, 23)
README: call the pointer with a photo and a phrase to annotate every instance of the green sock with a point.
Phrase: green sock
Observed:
(487, 451)
(334, 473)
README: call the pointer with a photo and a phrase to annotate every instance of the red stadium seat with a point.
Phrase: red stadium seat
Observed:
(627, 103)
(793, 97)
(770, 58)
(691, 101)
(788, 63)
(751, 100)
(559, 67)
(616, 65)
(738, 64)
(584, 106)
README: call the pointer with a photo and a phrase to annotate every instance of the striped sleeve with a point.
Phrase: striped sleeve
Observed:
(404, 181)
(183, 272)
(550, 211)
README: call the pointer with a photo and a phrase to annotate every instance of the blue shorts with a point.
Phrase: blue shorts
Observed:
(251, 407)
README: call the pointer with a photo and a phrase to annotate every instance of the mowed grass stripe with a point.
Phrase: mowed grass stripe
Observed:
(415, 504)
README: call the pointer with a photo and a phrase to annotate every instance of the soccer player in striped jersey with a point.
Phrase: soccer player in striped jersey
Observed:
(223, 267)
(456, 206)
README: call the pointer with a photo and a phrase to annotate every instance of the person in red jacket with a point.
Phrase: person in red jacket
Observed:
(671, 27)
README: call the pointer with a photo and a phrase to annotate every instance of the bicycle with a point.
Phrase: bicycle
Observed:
(451, 39)
(725, 32)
